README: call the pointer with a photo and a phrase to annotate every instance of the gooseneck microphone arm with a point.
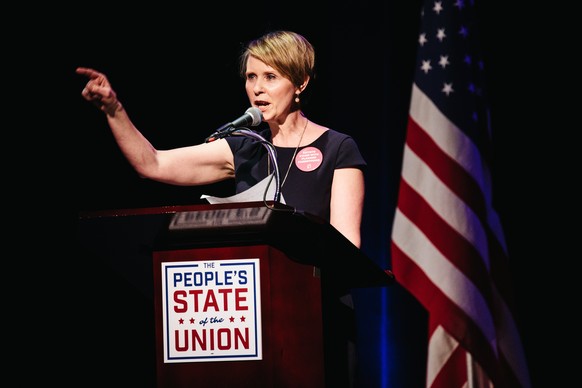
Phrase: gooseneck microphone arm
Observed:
(270, 151)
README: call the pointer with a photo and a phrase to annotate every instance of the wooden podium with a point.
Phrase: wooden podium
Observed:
(237, 291)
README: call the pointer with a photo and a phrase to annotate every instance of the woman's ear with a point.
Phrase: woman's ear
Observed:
(302, 87)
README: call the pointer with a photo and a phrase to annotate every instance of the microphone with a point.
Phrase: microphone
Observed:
(252, 117)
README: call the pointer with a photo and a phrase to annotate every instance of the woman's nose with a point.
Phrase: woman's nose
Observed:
(257, 87)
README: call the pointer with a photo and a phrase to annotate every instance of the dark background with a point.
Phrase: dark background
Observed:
(175, 70)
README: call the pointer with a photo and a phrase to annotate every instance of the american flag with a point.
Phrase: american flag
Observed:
(447, 246)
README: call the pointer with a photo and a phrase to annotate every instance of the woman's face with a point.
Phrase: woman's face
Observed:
(269, 91)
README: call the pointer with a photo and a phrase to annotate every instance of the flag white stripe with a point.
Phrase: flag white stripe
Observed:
(449, 138)
(455, 143)
(452, 282)
(432, 121)
(476, 376)
(440, 348)
(447, 204)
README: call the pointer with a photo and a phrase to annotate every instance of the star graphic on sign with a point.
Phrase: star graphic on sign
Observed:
(231, 319)
(192, 320)
(181, 321)
(242, 319)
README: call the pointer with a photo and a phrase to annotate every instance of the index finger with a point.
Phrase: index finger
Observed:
(88, 72)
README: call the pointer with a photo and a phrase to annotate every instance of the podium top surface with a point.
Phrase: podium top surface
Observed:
(304, 238)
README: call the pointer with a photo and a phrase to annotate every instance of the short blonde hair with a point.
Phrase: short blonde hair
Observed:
(290, 53)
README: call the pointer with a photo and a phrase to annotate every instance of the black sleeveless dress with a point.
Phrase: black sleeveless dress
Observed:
(308, 184)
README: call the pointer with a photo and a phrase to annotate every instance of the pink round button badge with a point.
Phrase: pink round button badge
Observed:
(308, 159)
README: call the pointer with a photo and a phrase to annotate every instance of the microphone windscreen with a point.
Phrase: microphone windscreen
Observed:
(256, 115)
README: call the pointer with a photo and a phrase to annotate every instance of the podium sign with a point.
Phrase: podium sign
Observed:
(211, 310)
(237, 315)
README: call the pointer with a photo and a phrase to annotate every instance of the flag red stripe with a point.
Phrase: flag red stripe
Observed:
(463, 184)
(497, 256)
(445, 167)
(442, 310)
(491, 246)
(454, 372)
(454, 246)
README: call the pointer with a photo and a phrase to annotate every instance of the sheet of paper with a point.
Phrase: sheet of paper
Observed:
(253, 194)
